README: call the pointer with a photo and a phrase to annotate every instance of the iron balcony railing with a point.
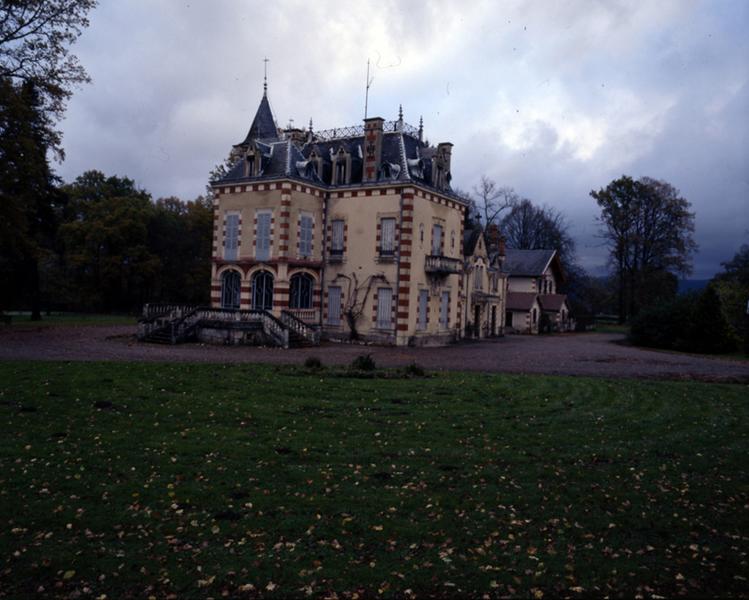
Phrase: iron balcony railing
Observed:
(442, 265)
(338, 133)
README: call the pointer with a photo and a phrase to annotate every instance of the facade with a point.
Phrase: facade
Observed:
(533, 280)
(354, 230)
(485, 285)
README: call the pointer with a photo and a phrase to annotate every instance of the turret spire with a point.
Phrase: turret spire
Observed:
(265, 76)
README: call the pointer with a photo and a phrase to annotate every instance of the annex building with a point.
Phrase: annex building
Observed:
(353, 230)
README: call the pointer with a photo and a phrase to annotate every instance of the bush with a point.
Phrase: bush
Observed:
(690, 323)
(312, 362)
(414, 370)
(363, 362)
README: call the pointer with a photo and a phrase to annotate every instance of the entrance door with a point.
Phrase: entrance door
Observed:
(476, 320)
(494, 321)
(262, 291)
(508, 319)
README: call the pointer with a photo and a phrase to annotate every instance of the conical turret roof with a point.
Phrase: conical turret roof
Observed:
(263, 125)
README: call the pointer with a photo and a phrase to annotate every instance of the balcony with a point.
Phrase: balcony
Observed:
(442, 265)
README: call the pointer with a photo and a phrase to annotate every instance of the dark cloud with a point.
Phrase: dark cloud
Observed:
(554, 99)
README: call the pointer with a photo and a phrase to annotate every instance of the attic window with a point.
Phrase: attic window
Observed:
(340, 172)
(251, 165)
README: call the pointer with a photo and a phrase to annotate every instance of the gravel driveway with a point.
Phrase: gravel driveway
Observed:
(595, 354)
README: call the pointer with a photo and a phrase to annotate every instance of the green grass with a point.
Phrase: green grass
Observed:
(604, 327)
(23, 319)
(200, 480)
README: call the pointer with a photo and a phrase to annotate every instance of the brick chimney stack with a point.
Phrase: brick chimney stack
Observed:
(372, 148)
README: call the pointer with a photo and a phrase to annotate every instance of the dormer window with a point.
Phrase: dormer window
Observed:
(250, 167)
(340, 172)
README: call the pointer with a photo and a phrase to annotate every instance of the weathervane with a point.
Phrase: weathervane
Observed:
(366, 95)
(265, 75)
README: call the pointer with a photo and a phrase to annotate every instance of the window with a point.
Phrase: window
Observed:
(384, 308)
(423, 308)
(334, 305)
(445, 310)
(301, 291)
(262, 241)
(340, 171)
(436, 240)
(534, 316)
(452, 240)
(421, 233)
(305, 235)
(250, 165)
(262, 291)
(231, 237)
(478, 278)
(230, 286)
(336, 246)
(387, 237)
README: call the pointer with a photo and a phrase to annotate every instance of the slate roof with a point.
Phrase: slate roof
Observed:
(527, 263)
(404, 157)
(263, 125)
(552, 302)
(520, 301)
(470, 239)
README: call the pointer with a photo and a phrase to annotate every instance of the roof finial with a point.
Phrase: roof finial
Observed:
(310, 124)
(265, 76)
(400, 113)
(421, 127)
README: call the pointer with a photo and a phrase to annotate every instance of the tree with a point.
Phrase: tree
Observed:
(29, 201)
(732, 285)
(529, 227)
(648, 229)
(491, 200)
(356, 298)
(35, 40)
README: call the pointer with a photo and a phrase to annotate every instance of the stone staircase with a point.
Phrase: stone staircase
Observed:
(174, 324)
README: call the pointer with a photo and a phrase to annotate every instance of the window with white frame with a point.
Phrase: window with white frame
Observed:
(384, 308)
(387, 236)
(445, 310)
(336, 243)
(423, 309)
(262, 239)
(231, 237)
(436, 239)
(334, 305)
(305, 235)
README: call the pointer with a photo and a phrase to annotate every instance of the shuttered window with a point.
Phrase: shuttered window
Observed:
(387, 237)
(305, 235)
(337, 241)
(262, 243)
(423, 307)
(444, 310)
(231, 237)
(437, 240)
(334, 305)
(384, 308)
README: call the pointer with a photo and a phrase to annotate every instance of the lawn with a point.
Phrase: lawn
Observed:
(23, 319)
(133, 480)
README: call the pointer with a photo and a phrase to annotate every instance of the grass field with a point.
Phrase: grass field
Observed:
(200, 480)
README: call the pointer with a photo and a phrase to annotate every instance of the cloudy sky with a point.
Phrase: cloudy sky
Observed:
(552, 98)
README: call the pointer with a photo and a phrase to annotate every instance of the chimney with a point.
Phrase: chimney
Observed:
(372, 148)
(444, 153)
(493, 238)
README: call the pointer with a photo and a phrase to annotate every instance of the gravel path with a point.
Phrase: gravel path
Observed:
(594, 354)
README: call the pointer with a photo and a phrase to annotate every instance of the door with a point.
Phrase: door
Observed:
(494, 321)
(230, 287)
(476, 320)
(262, 291)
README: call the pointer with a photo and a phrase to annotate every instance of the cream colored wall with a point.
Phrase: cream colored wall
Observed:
(247, 203)
(427, 212)
(361, 214)
(521, 284)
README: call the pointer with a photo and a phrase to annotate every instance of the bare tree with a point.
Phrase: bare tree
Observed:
(356, 298)
(492, 201)
(530, 227)
(35, 40)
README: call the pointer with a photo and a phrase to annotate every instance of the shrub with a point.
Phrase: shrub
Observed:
(414, 370)
(363, 362)
(312, 362)
(710, 332)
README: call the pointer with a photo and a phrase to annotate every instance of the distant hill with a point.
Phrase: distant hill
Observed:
(692, 285)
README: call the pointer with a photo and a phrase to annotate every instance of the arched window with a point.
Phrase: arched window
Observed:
(301, 291)
(230, 286)
(262, 290)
